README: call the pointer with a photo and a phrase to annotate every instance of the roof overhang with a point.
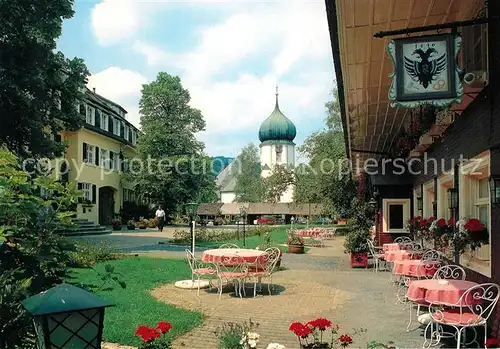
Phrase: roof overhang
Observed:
(362, 66)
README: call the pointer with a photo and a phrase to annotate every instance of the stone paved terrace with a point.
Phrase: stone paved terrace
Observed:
(319, 283)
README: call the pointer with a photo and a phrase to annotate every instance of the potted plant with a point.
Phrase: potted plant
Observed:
(356, 244)
(311, 334)
(131, 225)
(295, 243)
(142, 223)
(117, 224)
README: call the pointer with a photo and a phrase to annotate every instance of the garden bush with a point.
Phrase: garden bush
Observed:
(87, 254)
(217, 235)
(33, 257)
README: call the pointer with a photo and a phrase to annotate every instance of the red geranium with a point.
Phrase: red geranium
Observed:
(345, 340)
(474, 225)
(300, 330)
(441, 223)
(423, 223)
(451, 222)
(147, 333)
(164, 326)
(320, 323)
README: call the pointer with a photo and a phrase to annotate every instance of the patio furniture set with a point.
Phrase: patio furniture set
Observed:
(230, 264)
(425, 280)
(316, 236)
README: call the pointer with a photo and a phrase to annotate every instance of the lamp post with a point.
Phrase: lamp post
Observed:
(67, 316)
(243, 213)
(191, 209)
(495, 189)
(453, 206)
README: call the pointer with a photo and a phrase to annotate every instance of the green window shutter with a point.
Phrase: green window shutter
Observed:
(84, 152)
(97, 156)
(94, 190)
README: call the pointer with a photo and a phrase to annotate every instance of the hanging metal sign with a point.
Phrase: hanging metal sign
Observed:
(425, 71)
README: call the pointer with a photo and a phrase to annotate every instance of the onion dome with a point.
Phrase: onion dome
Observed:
(277, 127)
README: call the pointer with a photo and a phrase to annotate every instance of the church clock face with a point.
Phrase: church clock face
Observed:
(279, 151)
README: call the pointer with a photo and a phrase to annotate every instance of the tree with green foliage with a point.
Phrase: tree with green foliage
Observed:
(173, 169)
(33, 257)
(247, 172)
(324, 179)
(280, 179)
(39, 87)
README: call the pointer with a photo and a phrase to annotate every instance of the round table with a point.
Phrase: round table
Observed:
(222, 254)
(391, 247)
(391, 256)
(416, 267)
(446, 292)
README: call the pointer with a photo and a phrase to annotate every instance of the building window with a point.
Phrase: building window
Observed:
(116, 127)
(396, 213)
(90, 115)
(90, 159)
(87, 191)
(475, 203)
(126, 133)
(104, 121)
(105, 159)
(134, 137)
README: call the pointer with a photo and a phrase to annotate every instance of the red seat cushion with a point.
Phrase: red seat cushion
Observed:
(232, 274)
(453, 317)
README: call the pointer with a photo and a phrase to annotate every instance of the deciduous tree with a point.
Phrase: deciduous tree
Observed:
(39, 87)
(247, 172)
(277, 183)
(177, 170)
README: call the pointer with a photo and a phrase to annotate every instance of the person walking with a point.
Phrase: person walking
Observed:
(160, 218)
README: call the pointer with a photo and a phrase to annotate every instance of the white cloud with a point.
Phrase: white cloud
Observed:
(122, 86)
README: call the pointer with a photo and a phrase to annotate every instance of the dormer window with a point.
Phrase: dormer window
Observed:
(90, 115)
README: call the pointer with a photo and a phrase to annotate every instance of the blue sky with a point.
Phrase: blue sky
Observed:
(229, 54)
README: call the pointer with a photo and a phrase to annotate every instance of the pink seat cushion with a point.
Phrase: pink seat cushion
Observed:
(257, 273)
(453, 316)
(202, 271)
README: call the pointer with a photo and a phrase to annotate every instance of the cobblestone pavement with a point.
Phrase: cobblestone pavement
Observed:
(319, 283)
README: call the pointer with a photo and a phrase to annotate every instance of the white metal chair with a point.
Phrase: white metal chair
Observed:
(450, 271)
(264, 268)
(378, 257)
(231, 269)
(402, 239)
(199, 270)
(231, 246)
(473, 309)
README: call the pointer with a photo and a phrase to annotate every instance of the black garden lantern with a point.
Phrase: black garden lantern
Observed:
(67, 316)
(420, 204)
(373, 204)
(495, 189)
(453, 199)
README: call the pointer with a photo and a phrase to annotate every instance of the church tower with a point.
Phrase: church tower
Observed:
(276, 135)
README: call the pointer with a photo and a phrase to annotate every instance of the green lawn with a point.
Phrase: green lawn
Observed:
(134, 305)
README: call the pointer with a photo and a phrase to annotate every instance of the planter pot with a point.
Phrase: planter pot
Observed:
(142, 227)
(296, 249)
(131, 227)
(359, 260)
(117, 227)
(342, 222)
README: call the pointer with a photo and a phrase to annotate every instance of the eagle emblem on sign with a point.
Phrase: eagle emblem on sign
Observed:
(425, 70)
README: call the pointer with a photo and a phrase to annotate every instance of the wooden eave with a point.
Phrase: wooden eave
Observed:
(362, 65)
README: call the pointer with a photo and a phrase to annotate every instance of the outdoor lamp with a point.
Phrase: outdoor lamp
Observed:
(67, 316)
(453, 198)
(243, 213)
(420, 203)
(495, 189)
(434, 207)
(373, 203)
